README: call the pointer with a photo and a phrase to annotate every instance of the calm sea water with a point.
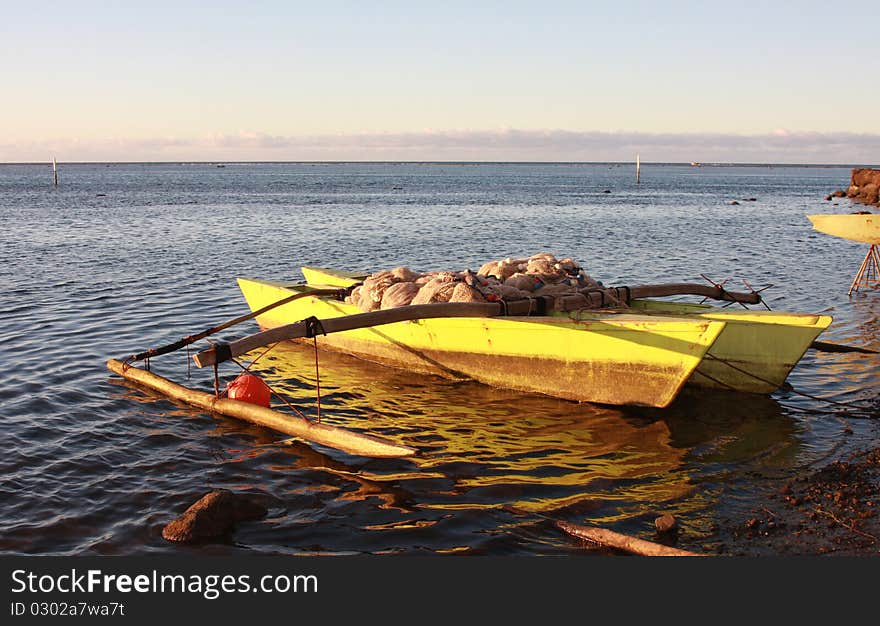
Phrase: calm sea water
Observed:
(122, 257)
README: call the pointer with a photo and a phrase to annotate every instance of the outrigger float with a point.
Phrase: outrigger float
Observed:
(339, 438)
(642, 353)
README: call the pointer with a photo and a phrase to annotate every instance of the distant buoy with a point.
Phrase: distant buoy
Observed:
(249, 388)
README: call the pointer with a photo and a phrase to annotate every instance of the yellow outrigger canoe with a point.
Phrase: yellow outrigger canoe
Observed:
(643, 356)
(861, 227)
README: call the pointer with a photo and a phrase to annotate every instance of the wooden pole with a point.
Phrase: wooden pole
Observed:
(55, 170)
(610, 296)
(689, 289)
(348, 322)
(869, 271)
(171, 347)
(339, 438)
(623, 542)
(638, 170)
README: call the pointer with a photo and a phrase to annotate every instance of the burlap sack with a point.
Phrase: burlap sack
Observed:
(438, 289)
(354, 297)
(503, 269)
(465, 293)
(542, 266)
(557, 289)
(404, 274)
(399, 294)
(520, 281)
(507, 292)
(568, 266)
(374, 287)
(508, 279)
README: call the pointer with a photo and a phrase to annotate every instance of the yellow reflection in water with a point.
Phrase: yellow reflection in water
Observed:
(482, 446)
(483, 449)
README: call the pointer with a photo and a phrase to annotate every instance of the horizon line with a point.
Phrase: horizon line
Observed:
(443, 162)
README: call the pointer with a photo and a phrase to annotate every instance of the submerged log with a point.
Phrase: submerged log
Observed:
(214, 515)
(619, 541)
(333, 437)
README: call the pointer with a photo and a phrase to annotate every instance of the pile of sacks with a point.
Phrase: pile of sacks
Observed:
(507, 279)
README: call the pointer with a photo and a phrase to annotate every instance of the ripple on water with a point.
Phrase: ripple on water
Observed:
(94, 467)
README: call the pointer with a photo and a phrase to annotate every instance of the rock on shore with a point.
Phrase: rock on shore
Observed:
(213, 516)
(864, 187)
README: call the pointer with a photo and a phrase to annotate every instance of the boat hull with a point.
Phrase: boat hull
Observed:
(754, 353)
(603, 358)
(862, 227)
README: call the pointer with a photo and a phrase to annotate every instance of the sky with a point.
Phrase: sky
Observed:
(772, 82)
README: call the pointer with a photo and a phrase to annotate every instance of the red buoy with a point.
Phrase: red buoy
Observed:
(249, 388)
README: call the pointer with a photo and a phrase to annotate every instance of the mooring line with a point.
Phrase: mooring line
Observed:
(271, 390)
(846, 405)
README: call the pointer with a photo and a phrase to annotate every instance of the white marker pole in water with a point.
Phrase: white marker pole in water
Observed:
(638, 170)
(55, 170)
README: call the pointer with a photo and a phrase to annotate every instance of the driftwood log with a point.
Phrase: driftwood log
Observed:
(213, 516)
(333, 437)
(619, 541)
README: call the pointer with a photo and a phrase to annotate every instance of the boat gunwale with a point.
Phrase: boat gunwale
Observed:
(669, 347)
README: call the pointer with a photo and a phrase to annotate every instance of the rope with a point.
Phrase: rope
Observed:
(849, 414)
(615, 297)
(317, 378)
(847, 405)
(313, 327)
(259, 356)
(338, 293)
(274, 393)
(247, 369)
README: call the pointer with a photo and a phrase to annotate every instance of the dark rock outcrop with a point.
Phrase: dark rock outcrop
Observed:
(666, 524)
(840, 193)
(864, 186)
(213, 516)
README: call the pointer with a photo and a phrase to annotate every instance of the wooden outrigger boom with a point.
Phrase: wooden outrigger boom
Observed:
(333, 437)
(589, 299)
